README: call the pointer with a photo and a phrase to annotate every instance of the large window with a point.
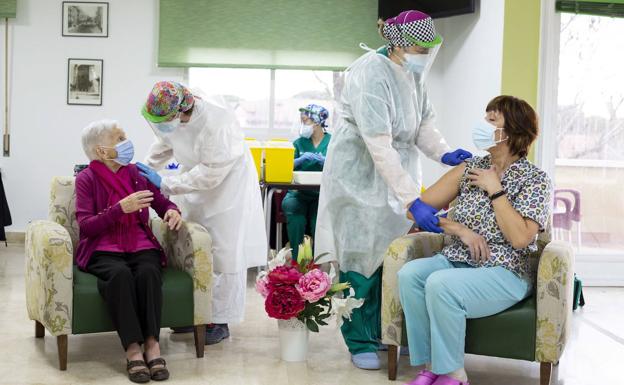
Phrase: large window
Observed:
(267, 101)
(590, 134)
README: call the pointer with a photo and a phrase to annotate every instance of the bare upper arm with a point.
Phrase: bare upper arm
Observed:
(446, 189)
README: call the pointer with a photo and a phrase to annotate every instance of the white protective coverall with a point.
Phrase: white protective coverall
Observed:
(218, 188)
(372, 172)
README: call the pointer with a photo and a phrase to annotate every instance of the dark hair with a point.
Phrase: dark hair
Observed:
(521, 124)
(189, 112)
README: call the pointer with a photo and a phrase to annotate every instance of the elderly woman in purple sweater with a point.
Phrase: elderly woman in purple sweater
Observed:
(117, 246)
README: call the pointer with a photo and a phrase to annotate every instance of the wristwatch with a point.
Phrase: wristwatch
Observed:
(497, 195)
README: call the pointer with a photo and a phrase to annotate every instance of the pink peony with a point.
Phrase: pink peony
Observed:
(262, 286)
(314, 285)
(283, 302)
(283, 275)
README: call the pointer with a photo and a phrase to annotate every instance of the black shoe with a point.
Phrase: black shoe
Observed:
(216, 333)
(140, 376)
(161, 373)
(183, 329)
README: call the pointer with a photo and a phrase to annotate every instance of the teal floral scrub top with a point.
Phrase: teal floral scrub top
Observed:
(529, 191)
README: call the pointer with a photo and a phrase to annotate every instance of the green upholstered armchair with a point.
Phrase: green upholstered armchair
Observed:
(535, 329)
(65, 300)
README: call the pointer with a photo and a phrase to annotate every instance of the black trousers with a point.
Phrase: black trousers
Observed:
(131, 286)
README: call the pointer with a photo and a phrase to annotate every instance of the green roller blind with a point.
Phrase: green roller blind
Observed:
(8, 8)
(613, 8)
(309, 34)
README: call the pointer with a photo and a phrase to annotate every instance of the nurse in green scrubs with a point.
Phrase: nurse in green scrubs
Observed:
(300, 207)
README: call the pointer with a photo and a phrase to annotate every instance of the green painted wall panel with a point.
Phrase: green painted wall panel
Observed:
(521, 46)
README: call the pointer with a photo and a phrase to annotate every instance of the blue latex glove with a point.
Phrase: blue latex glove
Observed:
(305, 157)
(149, 174)
(319, 158)
(456, 157)
(424, 216)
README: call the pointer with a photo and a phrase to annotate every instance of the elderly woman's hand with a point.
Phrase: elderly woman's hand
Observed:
(173, 219)
(136, 201)
(486, 179)
(479, 249)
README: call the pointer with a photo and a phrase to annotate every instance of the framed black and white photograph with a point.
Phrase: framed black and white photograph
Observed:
(84, 81)
(85, 19)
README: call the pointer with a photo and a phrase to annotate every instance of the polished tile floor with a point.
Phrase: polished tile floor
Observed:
(594, 354)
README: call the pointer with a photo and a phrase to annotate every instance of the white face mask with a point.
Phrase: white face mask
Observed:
(306, 130)
(484, 135)
(415, 63)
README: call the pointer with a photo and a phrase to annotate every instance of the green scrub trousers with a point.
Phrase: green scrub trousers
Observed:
(301, 207)
(363, 332)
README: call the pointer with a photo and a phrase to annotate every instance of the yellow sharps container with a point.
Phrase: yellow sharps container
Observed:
(279, 161)
(257, 152)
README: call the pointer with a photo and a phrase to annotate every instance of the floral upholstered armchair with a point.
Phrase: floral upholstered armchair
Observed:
(65, 300)
(540, 324)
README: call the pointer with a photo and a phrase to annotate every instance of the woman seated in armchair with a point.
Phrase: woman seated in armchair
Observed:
(117, 246)
(503, 201)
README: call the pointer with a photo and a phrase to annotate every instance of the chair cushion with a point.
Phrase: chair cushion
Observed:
(509, 334)
(91, 314)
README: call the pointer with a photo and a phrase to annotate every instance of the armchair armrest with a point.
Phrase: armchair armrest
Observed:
(190, 250)
(49, 276)
(555, 285)
(401, 251)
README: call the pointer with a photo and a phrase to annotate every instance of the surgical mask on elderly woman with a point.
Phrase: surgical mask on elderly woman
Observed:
(484, 135)
(125, 152)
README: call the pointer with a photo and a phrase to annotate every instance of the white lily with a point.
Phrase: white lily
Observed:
(280, 258)
(261, 275)
(343, 307)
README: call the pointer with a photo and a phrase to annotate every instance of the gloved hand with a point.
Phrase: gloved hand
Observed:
(424, 216)
(456, 157)
(149, 174)
(319, 158)
(305, 157)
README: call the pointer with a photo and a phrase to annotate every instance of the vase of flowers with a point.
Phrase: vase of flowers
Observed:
(301, 296)
(293, 337)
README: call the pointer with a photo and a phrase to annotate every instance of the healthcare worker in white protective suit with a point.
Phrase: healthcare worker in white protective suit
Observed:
(372, 174)
(217, 187)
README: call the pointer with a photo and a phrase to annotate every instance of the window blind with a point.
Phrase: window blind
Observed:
(612, 8)
(311, 34)
(8, 8)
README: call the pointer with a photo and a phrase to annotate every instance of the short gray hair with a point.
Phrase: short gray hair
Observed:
(94, 133)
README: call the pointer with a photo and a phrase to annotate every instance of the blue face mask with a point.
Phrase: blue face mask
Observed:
(483, 135)
(125, 152)
(168, 127)
(415, 63)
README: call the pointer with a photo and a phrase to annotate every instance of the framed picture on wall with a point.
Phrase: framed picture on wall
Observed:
(85, 19)
(84, 81)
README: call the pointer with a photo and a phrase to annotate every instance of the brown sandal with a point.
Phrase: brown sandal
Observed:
(138, 376)
(158, 374)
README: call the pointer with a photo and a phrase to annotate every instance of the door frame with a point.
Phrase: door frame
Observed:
(594, 269)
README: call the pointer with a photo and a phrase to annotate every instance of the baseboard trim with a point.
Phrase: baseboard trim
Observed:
(16, 237)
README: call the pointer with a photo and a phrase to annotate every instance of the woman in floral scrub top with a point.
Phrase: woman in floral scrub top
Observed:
(503, 201)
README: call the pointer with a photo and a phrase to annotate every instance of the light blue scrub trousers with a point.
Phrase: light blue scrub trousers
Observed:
(437, 296)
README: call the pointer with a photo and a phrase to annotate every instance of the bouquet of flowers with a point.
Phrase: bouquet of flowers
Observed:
(300, 289)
